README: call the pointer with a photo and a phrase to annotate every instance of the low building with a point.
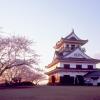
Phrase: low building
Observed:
(92, 78)
(70, 63)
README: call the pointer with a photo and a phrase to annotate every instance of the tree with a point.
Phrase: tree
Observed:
(23, 73)
(16, 51)
(12, 75)
(38, 78)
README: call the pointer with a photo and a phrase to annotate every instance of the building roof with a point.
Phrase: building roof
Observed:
(70, 70)
(79, 60)
(73, 60)
(71, 38)
(76, 53)
(76, 56)
(93, 74)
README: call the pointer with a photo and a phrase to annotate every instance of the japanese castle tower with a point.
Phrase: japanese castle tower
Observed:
(70, 60)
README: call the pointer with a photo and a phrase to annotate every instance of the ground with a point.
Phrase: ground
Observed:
(52, 93)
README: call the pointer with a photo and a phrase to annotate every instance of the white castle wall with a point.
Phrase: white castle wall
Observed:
(73, 65)
(72, 73)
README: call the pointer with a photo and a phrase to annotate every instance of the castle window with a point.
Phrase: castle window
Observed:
(78, 66)
(72, 47)
(66, 66)
(67, 46)
(90, 66)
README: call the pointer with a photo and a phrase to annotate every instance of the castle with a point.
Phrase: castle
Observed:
(70, 63)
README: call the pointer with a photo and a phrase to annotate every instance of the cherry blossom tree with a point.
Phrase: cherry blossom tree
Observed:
(23, 73)
(16, 51)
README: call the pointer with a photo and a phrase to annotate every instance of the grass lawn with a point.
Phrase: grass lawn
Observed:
(51, 93)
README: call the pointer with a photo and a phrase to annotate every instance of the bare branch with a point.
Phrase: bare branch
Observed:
(16, 51)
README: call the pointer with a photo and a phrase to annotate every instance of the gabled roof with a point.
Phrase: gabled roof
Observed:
(76, 56)
(72, 36)
(77, 53)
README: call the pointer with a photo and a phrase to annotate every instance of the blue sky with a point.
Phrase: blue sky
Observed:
(46, 21)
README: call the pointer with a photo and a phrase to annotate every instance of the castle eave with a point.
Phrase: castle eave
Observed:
(82, 42)
(59, 43)
(55, 61)
(80, 60)
(59, 70)
(73, 60)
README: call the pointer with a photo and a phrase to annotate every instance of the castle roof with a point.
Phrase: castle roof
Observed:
(71, 38)
(93, 74)
(73, 60)
(57, 70)
(76, 56)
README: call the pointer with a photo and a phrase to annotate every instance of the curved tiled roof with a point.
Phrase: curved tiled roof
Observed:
(80, 60)
(57, 70)
(93, 74)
